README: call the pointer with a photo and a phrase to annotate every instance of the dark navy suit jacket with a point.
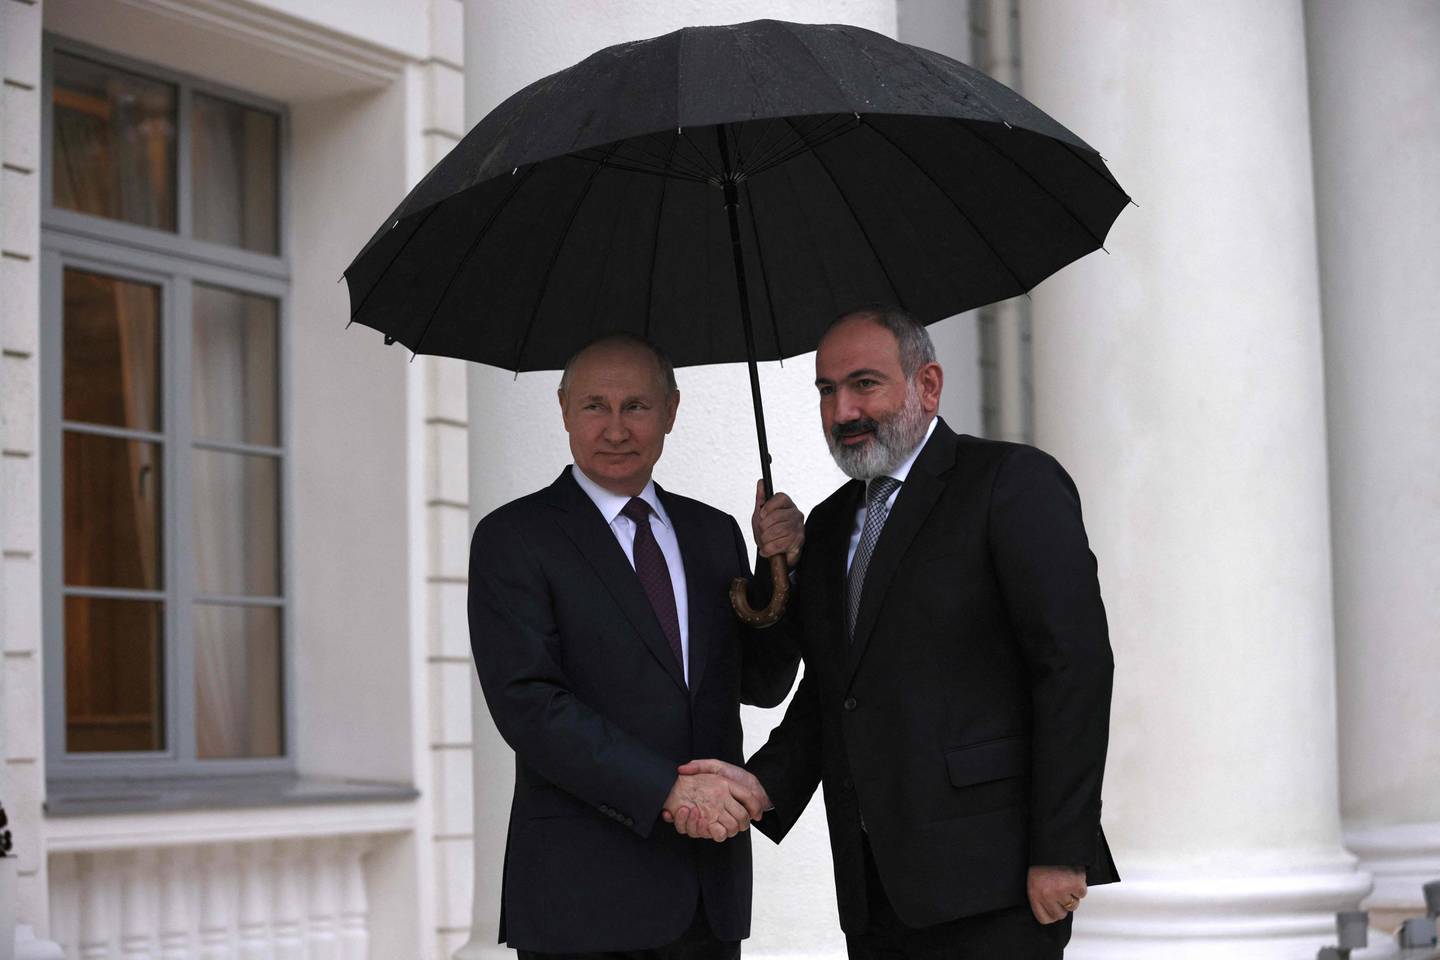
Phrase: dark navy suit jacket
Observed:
(584, 687)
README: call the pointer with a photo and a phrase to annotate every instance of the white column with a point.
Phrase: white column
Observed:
(517, 443)
(1180, 381)
(1374, 79)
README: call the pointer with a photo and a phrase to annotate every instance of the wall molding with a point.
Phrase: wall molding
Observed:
(367, 63)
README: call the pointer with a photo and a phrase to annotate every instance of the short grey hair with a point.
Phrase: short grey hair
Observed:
(916, 347)
(622, 339)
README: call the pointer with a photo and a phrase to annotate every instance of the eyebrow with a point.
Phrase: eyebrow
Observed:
(862, 372)
(634, 398)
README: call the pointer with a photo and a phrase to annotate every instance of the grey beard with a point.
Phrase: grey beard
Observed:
(895, 439)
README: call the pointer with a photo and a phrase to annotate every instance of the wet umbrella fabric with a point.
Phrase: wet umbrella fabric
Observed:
(726, 192)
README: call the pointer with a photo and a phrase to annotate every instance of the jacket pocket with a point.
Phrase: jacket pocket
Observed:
(991, 760)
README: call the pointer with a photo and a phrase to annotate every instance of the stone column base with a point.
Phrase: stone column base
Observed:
(1206, 915)
(1401, 857)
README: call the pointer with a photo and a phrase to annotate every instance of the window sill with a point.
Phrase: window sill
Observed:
(82, 798)
(96, 815)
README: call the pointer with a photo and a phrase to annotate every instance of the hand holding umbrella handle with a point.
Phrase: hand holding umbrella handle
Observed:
(775, 609)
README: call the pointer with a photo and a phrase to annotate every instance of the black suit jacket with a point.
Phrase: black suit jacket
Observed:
(967, 721)
(584, 688)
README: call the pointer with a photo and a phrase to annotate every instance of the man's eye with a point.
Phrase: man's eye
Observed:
(865, 383)
(826, 390)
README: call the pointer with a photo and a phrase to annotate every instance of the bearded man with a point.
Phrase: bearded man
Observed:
(956, 695)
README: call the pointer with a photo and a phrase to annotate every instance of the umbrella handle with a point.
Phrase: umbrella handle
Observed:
(775, 609)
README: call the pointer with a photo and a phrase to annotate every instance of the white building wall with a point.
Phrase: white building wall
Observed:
(374, 96)
(1225, 821)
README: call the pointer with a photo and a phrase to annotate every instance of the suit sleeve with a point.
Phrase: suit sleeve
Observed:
(789, 765)
(516, 646)
(770, 657)
(1048, 578)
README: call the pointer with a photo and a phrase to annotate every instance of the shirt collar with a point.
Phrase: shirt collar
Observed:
(610, 504)
(903, 471)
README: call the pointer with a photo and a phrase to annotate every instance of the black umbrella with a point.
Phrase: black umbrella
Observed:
(726, 192)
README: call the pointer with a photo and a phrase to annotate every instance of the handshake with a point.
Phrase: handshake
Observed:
(714, 800)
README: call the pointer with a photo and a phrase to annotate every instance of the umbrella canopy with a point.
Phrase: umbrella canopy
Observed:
(861, 170)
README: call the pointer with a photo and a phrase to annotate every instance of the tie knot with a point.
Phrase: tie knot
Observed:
(637, 510)
(880, 489)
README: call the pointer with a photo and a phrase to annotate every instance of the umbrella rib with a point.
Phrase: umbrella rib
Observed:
(764, 274)
(418, 227)
(714, 175)
(519, 181)
(1031, 177)
(839, 127)
(643, 154)
(655, 244)
(662, 173)
(954, 203)
(855, 217)
(770, 144)
(555, 258)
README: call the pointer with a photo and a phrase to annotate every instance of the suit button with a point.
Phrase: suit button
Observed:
(849, 704)
(845, 783)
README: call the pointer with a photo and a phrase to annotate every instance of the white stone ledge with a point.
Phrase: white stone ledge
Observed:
(1401, 857)
(200, 827)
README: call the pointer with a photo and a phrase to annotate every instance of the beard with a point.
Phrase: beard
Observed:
(893, 439)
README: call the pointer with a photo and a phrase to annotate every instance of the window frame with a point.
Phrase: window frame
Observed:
(175, 262)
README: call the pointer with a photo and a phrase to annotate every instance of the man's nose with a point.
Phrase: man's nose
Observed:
(846, 408)
(615, 429)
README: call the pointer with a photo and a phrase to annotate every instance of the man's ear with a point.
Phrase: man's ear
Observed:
(931, 380)
(564, 413)
(672, 404)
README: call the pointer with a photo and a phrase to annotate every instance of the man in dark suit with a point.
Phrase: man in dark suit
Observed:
(608, 653)
(956, 694)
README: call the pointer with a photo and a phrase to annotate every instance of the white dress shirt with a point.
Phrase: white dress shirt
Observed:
(899, 473)
(610, 505)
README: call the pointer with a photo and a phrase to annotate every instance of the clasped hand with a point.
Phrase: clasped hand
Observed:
(714, 800)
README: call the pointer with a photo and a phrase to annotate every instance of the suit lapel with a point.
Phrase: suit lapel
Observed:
(586, 528)
(687, 532)
(918, 494)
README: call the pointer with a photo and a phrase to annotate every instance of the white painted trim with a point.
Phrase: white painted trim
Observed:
(1280, 912)
(364, 62)
(208, 827)
(1402, 857)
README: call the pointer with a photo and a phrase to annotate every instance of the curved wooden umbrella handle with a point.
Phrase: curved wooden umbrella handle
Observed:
(775, 609)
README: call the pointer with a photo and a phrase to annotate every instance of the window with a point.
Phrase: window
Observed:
(163, 420)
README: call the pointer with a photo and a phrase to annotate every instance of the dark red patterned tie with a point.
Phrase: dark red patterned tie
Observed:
(654, 574)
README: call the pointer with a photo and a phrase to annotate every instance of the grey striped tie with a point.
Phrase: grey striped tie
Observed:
(876, 496)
